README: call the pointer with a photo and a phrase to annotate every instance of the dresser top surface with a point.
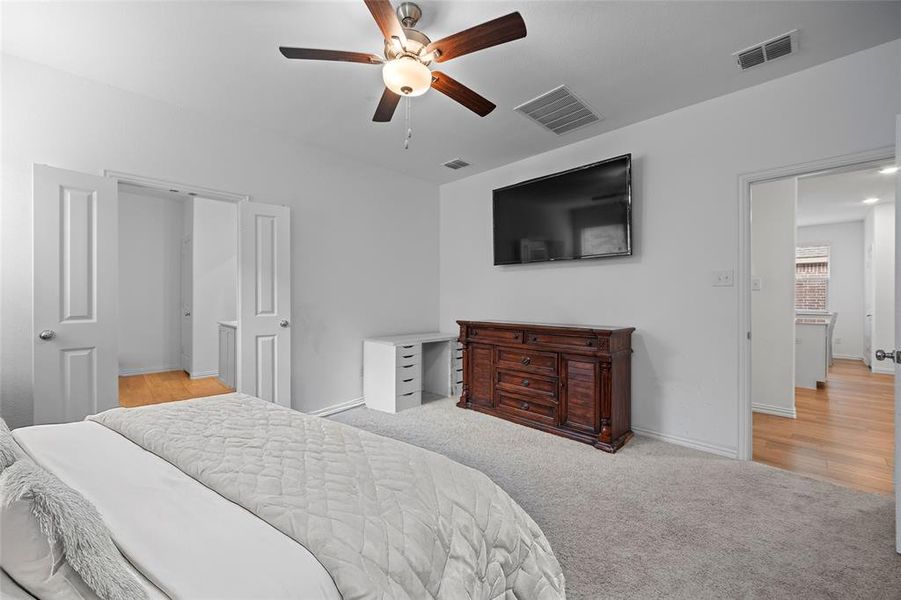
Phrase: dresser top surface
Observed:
(606, 329)
(413, 338)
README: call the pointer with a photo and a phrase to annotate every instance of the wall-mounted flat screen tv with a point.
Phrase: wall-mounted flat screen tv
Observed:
(585, 212)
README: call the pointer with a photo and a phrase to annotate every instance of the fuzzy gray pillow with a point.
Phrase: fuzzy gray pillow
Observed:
(9, 449)
(66, 518)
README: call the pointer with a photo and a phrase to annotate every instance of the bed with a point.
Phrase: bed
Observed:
(232, 497)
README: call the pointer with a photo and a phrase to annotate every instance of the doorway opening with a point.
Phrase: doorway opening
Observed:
(178, 294)
(822, 252)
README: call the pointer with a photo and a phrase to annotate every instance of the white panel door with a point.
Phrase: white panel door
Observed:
(76, 295)
(264, 330)
(897, 350)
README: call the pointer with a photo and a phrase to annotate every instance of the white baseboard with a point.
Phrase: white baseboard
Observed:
(144, 370)
(847, 357)
(779, 411)
(202, 374)
(688, 443)
(885, 370)
(336, 408)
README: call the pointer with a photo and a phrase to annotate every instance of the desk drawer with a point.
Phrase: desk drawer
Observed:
(530, 361)
(494, 334)
(409, 352)
(407, 371)
(407, 385)
(408, 400)
(523, 383)
(527, 409)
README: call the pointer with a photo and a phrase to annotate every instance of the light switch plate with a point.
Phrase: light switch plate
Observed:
(756, 285)
(723, 278)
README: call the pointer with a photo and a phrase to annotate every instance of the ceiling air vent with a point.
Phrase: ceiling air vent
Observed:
(558, 110)
(777, 47)
(457, 163)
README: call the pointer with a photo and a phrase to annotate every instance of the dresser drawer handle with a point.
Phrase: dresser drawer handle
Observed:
(525, 382)
(526, 360)
(534, 338)
(408, 380)
(475, 332)
(408, 356)
(589, 343)
(524, 406)
(407, 366)
(408, 394)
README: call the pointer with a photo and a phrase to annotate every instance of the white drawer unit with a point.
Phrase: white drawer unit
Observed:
(398, 371)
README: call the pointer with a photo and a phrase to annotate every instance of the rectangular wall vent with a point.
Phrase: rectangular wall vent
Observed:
(559, 110)
(457, 163)
(777, 47)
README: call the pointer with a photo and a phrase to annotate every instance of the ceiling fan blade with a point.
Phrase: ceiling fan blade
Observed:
(386, 18)
(385, 110)
(455, 90)
(314, 54)
(498, 31)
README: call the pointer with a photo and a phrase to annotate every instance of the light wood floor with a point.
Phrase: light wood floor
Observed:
(843, 433)
(153, 388)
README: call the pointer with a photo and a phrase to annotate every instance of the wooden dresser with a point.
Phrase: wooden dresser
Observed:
(571, 381)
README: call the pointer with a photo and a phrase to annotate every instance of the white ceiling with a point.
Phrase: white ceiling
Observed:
(628, 60)
(838, 197)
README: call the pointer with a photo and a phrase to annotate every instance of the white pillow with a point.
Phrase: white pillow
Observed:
(54, 542)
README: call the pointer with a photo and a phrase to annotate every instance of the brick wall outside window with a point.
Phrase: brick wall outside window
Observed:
(812, 278)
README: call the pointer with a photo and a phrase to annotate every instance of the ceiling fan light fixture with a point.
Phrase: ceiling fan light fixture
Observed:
(406, 76)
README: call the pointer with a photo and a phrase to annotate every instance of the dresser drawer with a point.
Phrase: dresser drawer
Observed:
(544, 363)
(527, 409)
(494, 334)
(564, 341)
(407, 385)
(408, 352)
(533, 385)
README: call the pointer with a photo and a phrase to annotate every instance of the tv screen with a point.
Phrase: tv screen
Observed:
(585, 212)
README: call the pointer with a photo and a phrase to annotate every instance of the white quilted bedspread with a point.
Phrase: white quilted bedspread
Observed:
(385, 519)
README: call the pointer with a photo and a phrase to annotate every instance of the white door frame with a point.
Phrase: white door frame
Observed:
(745, 447)
(162, 184)
(192, 190)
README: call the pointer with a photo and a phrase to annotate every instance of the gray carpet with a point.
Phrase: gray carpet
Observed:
(660, 521)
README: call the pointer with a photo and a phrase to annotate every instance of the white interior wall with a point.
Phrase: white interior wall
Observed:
(686, 166)
(883, 321)
(846, 282)
(363, 255)
(773, 232)
(214, 281)
(150, 231)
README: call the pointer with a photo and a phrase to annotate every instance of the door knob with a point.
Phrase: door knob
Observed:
(47, 334)
(284, 323)
(893, 356)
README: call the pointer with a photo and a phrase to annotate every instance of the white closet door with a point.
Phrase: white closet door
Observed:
(264, 332)
(76, 288)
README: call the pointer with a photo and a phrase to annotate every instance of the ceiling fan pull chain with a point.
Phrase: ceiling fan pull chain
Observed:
(408, 118)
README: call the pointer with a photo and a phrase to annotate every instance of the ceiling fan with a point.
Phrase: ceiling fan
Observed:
(408, 53)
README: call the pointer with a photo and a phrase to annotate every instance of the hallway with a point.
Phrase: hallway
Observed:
(153, 388)
(843, 432)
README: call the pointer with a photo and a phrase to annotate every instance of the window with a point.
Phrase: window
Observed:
(812, 278)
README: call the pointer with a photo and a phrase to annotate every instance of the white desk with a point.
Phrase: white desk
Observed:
(400, 370)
